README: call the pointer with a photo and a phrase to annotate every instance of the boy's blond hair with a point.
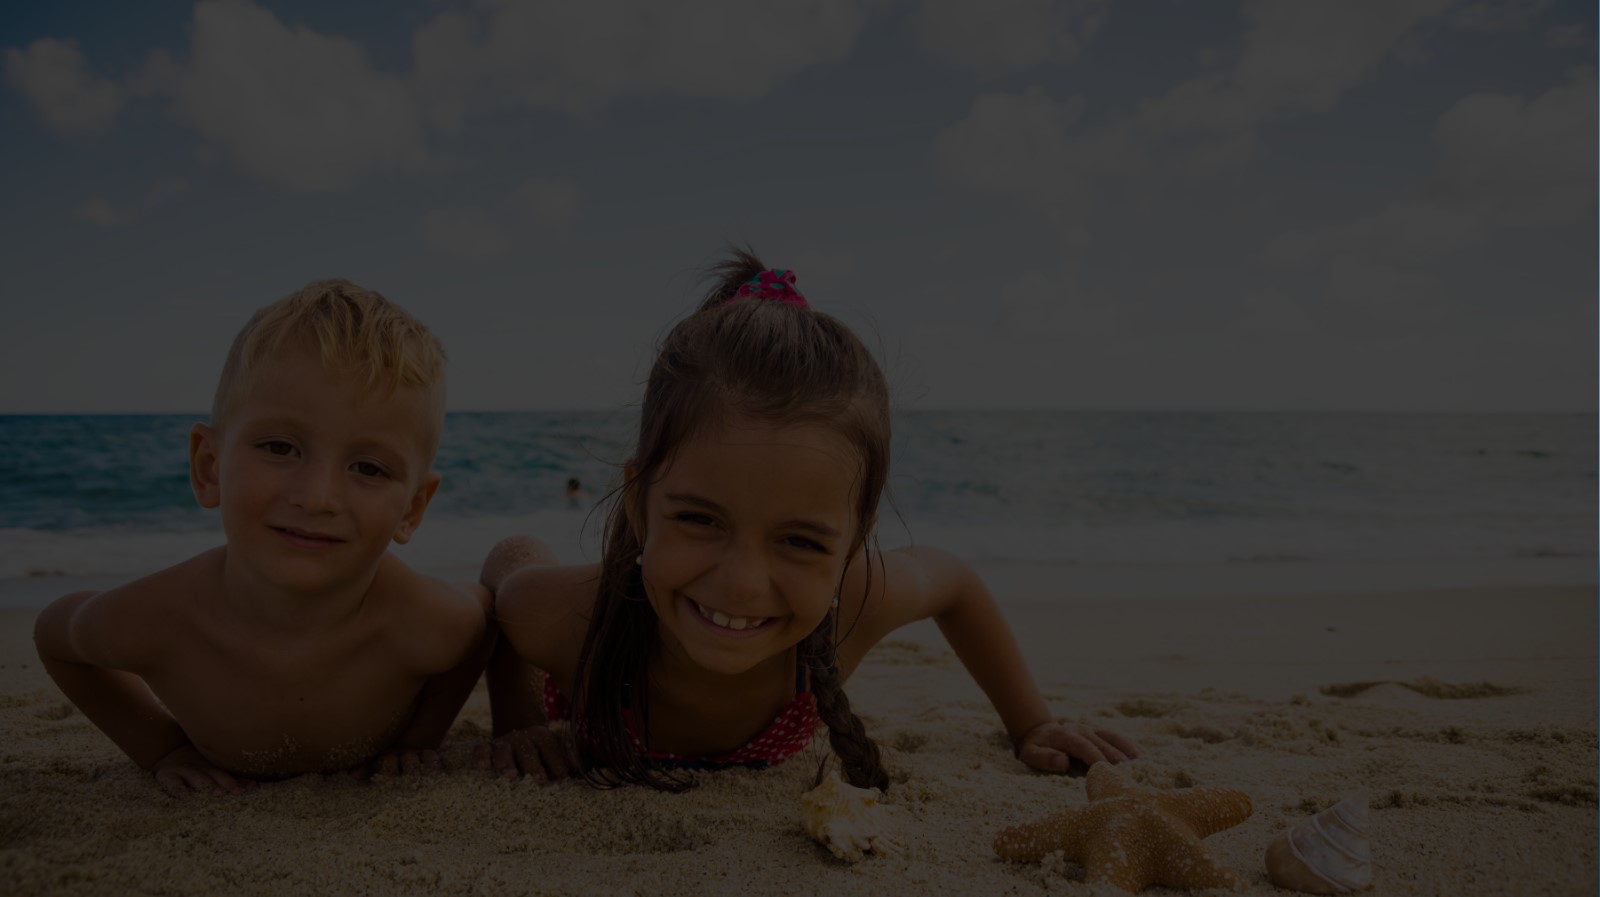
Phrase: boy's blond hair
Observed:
(356, 332)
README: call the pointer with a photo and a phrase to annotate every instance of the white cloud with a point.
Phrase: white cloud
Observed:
(1504, 162)
(165, 191)
(101, 213)
(1570, 37)
(577, 57)
(538, 209)
(55, 78)
(1404, 232)
(551, 203)
(465, 233)
(999, 36)
(1294, 58)
(290, 106)
(104, 213)
(1017, 145)
(1523, 162)
(1497, 15)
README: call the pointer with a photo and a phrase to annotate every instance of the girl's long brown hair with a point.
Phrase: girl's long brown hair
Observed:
(775, 362)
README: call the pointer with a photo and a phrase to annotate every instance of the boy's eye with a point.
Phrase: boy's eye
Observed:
(369, 469)
(277, 447)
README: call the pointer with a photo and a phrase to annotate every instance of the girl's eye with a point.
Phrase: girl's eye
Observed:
(807, 544)
(696, 519)
(369, 469)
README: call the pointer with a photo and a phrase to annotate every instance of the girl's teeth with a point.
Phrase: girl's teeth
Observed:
(727, 622)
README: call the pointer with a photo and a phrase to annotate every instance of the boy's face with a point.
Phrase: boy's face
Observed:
(314, 474)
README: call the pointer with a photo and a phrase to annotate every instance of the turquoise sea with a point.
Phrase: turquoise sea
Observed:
(104, 495)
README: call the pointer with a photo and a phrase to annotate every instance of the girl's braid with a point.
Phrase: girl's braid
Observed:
(858, 753)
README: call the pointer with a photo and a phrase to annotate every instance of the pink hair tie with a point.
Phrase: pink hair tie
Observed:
(776, 284)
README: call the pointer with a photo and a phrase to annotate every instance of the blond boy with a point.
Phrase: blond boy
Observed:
(301, 645)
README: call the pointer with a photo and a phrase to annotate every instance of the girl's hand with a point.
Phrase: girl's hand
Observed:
(400, 761)
(536, 751)
(1052, 746)
(183, 772)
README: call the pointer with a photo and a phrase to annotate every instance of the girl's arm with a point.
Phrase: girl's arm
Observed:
(920, 583)
(523, 744)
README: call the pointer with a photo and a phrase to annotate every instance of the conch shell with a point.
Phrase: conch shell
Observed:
(845, 819)
(1330, 853)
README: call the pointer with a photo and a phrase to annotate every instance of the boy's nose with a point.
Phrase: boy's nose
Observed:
(316, 489)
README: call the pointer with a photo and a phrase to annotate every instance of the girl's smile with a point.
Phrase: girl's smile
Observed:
(745, 538)
(738, 627)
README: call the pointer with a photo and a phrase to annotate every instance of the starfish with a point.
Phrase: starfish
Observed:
(1134, 838)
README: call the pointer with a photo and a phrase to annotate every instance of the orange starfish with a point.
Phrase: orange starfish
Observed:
(1134, 838)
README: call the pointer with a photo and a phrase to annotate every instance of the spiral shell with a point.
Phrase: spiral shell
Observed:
(1330, 853)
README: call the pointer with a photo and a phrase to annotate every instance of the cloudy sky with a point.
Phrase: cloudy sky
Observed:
(1324, 204)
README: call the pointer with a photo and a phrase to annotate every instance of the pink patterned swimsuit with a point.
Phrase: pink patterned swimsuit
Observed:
(787, 735)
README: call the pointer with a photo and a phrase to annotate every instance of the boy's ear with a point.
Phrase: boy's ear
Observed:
(203, 463)
(419, 505)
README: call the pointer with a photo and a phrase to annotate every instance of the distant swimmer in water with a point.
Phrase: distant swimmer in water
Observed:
(574, 492)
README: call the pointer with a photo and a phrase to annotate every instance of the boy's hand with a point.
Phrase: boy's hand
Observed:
(535, 751)
(400, 761)
(183, 772)
(1051, 747)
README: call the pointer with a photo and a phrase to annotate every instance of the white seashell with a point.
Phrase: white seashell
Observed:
(1330, 853)
(845, 819)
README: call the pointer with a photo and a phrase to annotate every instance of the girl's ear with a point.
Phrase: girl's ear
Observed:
(203, 464)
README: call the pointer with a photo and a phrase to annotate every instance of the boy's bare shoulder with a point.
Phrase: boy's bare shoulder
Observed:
(434, 622)
(131, 626)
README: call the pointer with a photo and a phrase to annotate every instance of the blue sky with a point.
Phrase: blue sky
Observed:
(1023, 203)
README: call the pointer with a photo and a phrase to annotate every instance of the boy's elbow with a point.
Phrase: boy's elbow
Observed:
(52, 629)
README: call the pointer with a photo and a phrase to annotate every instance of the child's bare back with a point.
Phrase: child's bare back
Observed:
(259, 698)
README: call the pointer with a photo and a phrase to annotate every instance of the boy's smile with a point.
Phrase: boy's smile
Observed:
(746, 538)
(307, 538)
(316, 474)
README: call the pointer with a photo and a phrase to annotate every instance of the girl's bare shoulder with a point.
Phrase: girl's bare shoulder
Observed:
(885, 590)
(545, 609)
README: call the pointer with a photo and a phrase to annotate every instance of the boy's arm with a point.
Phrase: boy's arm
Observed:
(442, 696)
(82, 644)
(930, 583)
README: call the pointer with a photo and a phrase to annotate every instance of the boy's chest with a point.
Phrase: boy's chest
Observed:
(269, 717)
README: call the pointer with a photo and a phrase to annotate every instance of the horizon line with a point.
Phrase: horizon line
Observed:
(946, 409)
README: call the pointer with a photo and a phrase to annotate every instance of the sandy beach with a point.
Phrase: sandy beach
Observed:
(1468, 715)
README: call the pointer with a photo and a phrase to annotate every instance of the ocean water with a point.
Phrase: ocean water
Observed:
(109, 495)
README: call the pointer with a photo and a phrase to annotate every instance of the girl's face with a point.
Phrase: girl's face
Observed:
(745, 537)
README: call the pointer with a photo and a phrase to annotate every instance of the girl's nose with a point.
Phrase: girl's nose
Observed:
(744, 573)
